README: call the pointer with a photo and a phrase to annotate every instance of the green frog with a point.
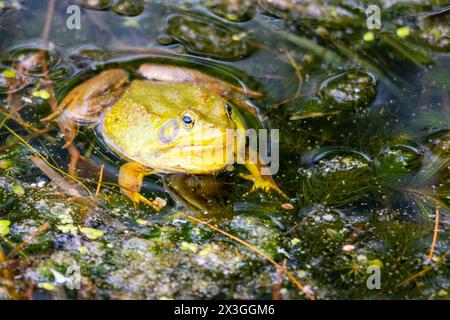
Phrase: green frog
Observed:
(171, 119)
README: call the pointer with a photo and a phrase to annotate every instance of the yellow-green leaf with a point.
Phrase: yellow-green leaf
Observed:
(403, 32)
(46, 285)
(142, 222)
(4, 227)
(92, 234)
(368, 36)
(376, 262)
(188, 246)
(44, 94)
(18, 189)
(9, 73)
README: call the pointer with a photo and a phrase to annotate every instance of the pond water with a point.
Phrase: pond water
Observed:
(364, 149)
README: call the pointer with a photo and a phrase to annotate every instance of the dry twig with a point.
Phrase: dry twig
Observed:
(435, 233)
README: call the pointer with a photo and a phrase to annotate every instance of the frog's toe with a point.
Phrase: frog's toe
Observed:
(137, 198)
(248, 177)
(267, 186)
(70, 132)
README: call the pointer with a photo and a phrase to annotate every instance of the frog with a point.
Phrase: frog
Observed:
(160, 122)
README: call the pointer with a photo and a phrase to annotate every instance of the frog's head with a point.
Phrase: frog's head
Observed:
(172, 127)
(194, 139)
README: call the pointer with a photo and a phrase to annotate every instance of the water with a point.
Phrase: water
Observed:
(364, 153)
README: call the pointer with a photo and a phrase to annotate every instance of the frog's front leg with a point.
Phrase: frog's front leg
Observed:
(131, 175)
(265, 182)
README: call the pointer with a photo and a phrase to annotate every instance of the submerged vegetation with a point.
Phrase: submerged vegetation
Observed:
(364, 122)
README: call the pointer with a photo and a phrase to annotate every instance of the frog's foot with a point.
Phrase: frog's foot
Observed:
(131, 175)
(70, 129)
(137, 198)
(265, 183)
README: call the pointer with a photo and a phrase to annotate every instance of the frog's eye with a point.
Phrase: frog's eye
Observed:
(229, 109)
(188, 119)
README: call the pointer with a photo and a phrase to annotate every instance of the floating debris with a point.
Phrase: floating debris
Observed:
(348, 247)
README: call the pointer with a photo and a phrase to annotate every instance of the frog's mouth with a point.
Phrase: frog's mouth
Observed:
(182, 149)
(205, 156)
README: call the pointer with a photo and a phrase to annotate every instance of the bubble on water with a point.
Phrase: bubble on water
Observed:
(439, 142)
(96, 4)
(350, 89)
(128, 8)
(401, 156)
(30, 58)
(234, 10)
(165, 39)
(348, 173)
(86, 56)
(331, 161)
